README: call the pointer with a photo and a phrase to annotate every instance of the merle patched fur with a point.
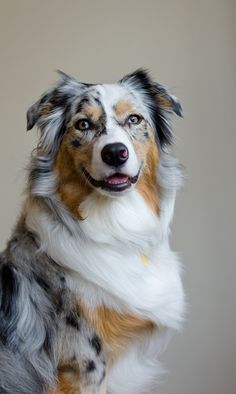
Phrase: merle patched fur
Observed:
(38, 311)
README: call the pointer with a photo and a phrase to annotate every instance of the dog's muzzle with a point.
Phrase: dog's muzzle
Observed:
(116, 182)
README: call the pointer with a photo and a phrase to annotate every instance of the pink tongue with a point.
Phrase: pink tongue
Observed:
(117, 179)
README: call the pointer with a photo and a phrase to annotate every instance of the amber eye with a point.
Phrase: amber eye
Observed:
(82, 124)
(134, 119)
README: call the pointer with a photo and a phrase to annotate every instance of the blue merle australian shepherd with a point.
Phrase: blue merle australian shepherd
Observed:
(90, 290)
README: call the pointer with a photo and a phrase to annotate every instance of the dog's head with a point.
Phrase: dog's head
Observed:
(107, 136)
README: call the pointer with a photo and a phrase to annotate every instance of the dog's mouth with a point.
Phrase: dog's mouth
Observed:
(114, 183)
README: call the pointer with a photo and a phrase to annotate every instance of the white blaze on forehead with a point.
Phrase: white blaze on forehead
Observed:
(110, 95)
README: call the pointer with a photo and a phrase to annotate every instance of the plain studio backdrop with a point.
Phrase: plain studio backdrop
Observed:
(189, 46)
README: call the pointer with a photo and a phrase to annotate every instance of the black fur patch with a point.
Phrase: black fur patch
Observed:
(96, 344)
(98, 101)
(3, 335)
(72, 319)
(47, 344)
(59, 99)
(9, 291)
(90, 366)
(62, 278)
(75, 143)
(42, 283)
(58, 303)
(82, 103)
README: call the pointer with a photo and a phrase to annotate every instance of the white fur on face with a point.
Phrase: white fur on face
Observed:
(110, 95)
(101, 170)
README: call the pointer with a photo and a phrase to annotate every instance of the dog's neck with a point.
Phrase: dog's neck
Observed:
(126, 221)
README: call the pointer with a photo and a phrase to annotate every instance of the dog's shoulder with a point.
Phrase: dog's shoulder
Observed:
(41, 324)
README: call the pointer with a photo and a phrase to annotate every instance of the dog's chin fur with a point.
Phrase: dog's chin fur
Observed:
(93, 289)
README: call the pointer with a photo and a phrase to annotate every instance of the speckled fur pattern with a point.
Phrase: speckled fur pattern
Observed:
(56, 281)
(40, 323)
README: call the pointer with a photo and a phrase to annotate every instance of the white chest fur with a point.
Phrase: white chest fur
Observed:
(104, 256)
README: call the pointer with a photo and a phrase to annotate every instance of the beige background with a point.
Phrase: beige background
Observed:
(190, 47)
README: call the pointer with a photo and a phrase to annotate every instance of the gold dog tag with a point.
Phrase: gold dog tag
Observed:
(144, 259)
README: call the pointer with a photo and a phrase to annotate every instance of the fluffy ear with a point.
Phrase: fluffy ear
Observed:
(165, 100)
(56, 97)
(35, 111)
(160, 102)
(32, 116)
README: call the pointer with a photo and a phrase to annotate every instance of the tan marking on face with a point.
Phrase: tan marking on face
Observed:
(116, 330)
(123, 107)
(147, 184)
(72, 187)
(93, 111)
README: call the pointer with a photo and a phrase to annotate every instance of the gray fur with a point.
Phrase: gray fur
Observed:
(35, 306)
(17, 375)
(170, 174)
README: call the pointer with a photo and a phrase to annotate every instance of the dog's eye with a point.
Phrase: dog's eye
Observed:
(82, 124)
(134, 119)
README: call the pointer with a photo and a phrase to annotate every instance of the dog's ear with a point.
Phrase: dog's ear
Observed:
(162, 108)
(35, 111)
(66, 77)
(165, 100)
(32, 116)
(53, 98)
(160, 103)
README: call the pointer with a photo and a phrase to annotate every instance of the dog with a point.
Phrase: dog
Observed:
(90, 291)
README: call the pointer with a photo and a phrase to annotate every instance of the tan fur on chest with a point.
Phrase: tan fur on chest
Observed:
(116, 330)
(68, 383)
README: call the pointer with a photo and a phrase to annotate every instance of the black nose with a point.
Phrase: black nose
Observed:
(115, 154)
